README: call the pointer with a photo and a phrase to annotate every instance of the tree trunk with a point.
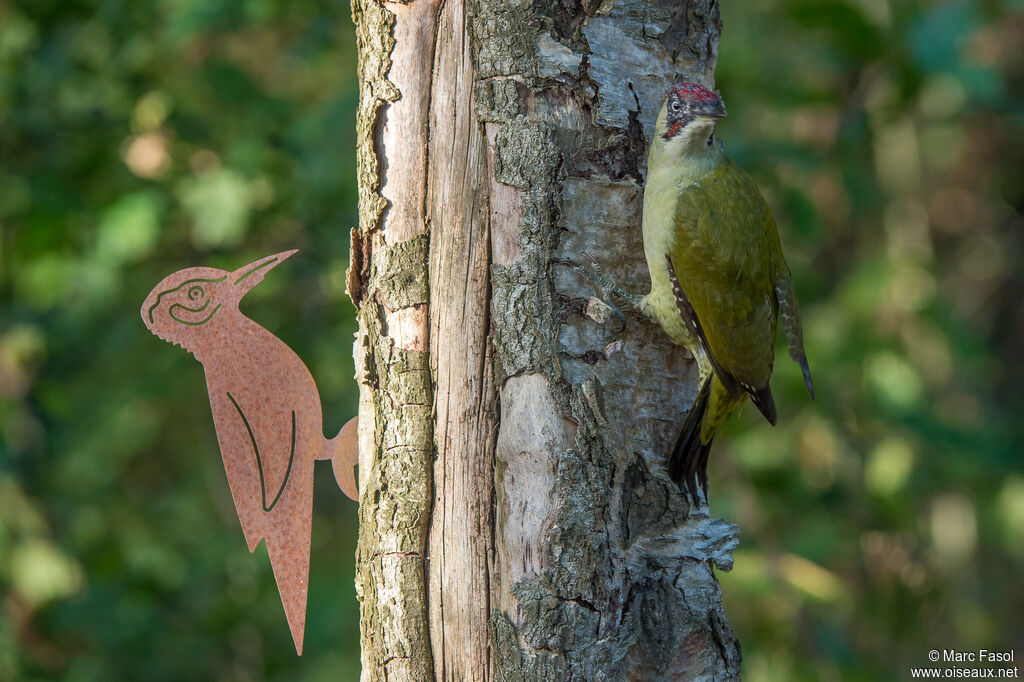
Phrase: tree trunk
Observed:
(516, 519)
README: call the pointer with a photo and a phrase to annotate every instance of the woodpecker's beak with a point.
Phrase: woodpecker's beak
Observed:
(712, 111)
(252, 274)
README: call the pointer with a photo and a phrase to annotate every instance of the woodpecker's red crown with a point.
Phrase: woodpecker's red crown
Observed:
(694, 91)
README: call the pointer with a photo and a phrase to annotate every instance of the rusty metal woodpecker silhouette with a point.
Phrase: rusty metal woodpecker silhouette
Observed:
(267, 413)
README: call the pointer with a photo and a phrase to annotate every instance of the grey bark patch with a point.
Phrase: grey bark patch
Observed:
(503, 37)
(521, 343)
(556, 60)
(402, 277)
(511, 664)
(498, 99)
(524, 153)
(631, 46)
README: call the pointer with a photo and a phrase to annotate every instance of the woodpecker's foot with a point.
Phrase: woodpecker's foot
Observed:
(606, 282)
(598, 308)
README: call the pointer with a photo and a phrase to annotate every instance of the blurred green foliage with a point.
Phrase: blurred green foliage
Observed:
(887, 518)
(138, 138)
(880, 522)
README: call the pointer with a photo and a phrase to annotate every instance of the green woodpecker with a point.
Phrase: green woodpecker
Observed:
(718, 277)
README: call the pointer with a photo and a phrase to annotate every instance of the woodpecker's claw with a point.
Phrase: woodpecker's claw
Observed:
(607, 285)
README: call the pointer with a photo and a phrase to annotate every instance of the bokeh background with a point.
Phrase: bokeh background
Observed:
(882, 521)
(137, 138)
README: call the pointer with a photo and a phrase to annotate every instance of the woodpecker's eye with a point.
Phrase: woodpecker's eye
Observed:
(195, 292)
(675, 105)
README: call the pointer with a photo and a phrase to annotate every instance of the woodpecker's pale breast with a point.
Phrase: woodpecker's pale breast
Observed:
(669, 173)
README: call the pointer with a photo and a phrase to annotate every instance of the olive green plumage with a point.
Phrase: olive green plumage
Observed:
(719, 279)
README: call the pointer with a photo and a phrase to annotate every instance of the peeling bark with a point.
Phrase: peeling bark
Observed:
(516, 518)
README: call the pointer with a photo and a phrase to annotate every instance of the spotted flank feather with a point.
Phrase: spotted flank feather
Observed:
(692, 323)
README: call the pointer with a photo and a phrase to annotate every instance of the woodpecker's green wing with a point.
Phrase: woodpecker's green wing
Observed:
(725, 258)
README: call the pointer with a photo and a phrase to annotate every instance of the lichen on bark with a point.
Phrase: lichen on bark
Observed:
(395, 507)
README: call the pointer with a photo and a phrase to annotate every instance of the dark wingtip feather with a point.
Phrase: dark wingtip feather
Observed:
(762, 397)
(807, 376)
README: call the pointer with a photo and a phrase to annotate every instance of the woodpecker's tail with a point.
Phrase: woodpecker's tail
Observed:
(689, 461)
(343, 451)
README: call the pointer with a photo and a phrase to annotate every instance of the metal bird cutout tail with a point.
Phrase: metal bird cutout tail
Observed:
(267, 414)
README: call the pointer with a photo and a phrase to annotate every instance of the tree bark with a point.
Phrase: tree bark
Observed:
(516, 519)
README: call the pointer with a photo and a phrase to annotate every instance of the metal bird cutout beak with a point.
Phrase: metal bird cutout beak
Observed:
(247, 277)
